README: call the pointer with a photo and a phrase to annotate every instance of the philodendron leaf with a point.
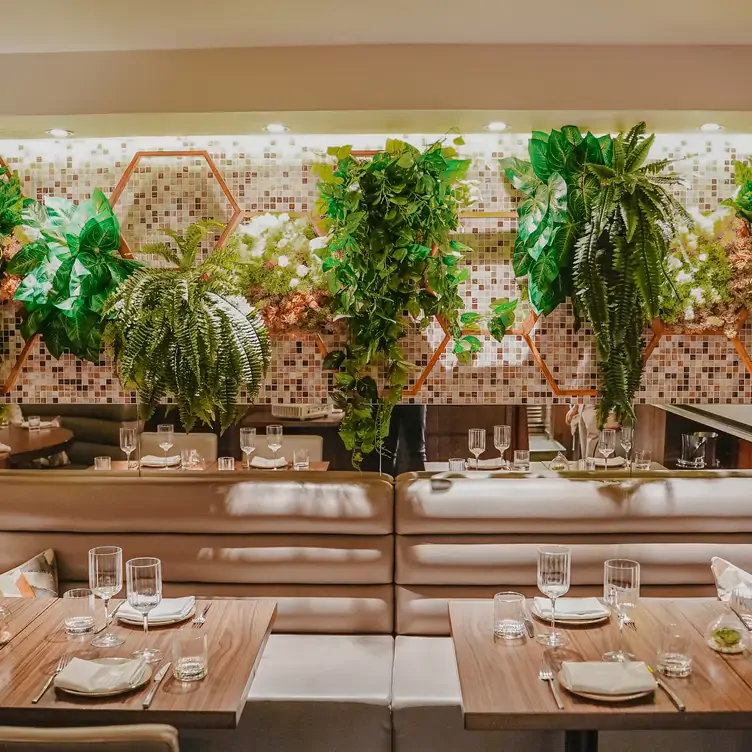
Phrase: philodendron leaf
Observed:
(520, 174)
(99, 236)
(557, 197)
(33, 289)
(538, 149)
(28, 258)
(521, 260)
(557, 151)
(572, 134)
(544, 269)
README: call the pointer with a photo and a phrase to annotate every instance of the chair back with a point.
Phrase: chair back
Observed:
(204, 443)
(314, 444)
(135, 738)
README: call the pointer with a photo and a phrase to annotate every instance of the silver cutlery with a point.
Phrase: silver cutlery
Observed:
(631, 623)
(155, 686)
(670, 692)
(61, 664)
(198, 622)
(546, 675)
(108, 618)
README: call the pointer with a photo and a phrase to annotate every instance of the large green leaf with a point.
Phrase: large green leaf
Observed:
(557, 197)
(532, 212)
(33, 289)
(544, 269)
(100, 236)
(572, 134)
(521, 260)
(557, 151)
(28, 258)
(520, 174)
(538, 149)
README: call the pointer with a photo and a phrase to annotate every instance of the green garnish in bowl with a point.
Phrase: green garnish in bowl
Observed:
(727, 638)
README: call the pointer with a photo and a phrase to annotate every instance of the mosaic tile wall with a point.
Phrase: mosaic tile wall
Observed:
(273, 173)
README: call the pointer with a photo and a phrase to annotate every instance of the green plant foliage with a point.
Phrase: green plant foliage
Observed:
(498, 320)
(188, 333)
(68, 273)
(619, 268)
(558, 186)
(389, 255)
(741, 203)
(12, 202)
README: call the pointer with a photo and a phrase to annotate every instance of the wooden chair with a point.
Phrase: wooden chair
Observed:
(137, 738)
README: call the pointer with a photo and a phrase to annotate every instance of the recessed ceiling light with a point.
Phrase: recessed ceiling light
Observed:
(59, 133)
(496, 126)
(711, 127)
(276, 128)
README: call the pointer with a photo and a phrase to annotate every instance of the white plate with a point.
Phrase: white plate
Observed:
(165, 623)
(145, 676)
(570, 622)
(159, 465)
(612, 462)
(604, 698)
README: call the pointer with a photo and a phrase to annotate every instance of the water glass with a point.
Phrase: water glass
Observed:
(502, 442)
(674, 653)
(642, 459)
(522, 460)
(166, 436)
(509, 615)
(248, 444)
(128, 444)
(35, 422)
(102, 463)
(274, 439)
(144, 578)
(626, 439)
(621, 591)
(186, 459)
(79, 606)
(226, 463)
(476, 442)
(190, 655)
(106, 580)
(300, 460)
(590, 465)
(554, 576)
(457, 465)
(607, 443)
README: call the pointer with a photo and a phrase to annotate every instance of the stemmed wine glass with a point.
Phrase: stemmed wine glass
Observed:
(106, 580)
(128, 444)
(502, 441)
(607, 443)
(166, 434)
(274, 440)
(144, 577)
(554, 563)
(248, 443)
(621, 591)
(626, 440)
(476, 441)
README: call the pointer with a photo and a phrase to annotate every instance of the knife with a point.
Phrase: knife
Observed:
(157, 679)
(678, 704)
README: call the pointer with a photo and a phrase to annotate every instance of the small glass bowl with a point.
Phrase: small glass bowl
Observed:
(727, 634)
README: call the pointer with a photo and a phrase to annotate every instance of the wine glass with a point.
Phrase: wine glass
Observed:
(248, 443)
(621, 591)
(476, 441)
(274, 439)
(607, 443)
(502, 441)
(106, 580)
(626, 440)
(554, 564)
(144, 578)
(166, 434)
(128, 444)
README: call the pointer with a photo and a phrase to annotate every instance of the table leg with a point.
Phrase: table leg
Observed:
(580, 741)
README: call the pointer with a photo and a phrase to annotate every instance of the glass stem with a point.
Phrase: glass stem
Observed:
(106, 613)
(146, 623)
(621, 634)
(553, 617)
(128, 460)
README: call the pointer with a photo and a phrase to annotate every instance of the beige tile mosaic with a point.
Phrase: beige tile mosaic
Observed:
(266, 173)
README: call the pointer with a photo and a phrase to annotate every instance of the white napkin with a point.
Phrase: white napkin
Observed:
(169, 609)
(88, 676)
(42, 424)
(4, 448)
(612, 461)
(266, 464)
(151, 460)
(494, 463)
(606, 678)
(571, 608)
(727, 577)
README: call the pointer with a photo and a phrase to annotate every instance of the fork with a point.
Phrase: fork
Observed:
(546, 675)
(631, 623)
(198, 622)
(61, 664)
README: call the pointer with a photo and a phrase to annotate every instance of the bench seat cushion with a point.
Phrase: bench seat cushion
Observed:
(318, 693)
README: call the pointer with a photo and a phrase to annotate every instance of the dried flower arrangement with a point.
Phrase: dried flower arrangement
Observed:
(282, 272)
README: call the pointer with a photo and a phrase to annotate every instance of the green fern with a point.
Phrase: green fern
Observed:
(188, 333)
(619, 263)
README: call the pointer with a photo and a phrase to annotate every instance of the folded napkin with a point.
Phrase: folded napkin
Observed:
(151, 460)
(4, 448)
(612, 462)
(606, 678)
(572, 608)
(491, 464)
(727, 577)
(42, 424)
(88, 676)
(169, 609)
(265, 464)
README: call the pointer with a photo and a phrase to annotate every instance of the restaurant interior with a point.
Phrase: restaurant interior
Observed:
(392, 394)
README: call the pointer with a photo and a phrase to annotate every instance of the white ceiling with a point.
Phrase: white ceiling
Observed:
(87, 25)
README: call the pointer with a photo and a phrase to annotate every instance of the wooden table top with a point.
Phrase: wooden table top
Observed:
(26, 445)
(121, 467)
(237, 630)
(501, 689)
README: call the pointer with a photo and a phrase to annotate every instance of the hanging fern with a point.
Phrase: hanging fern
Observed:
(619, 268)
(188, 333)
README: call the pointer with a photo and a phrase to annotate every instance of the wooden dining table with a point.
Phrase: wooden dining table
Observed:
(237, 631)
(30, 444)
(501, 689)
